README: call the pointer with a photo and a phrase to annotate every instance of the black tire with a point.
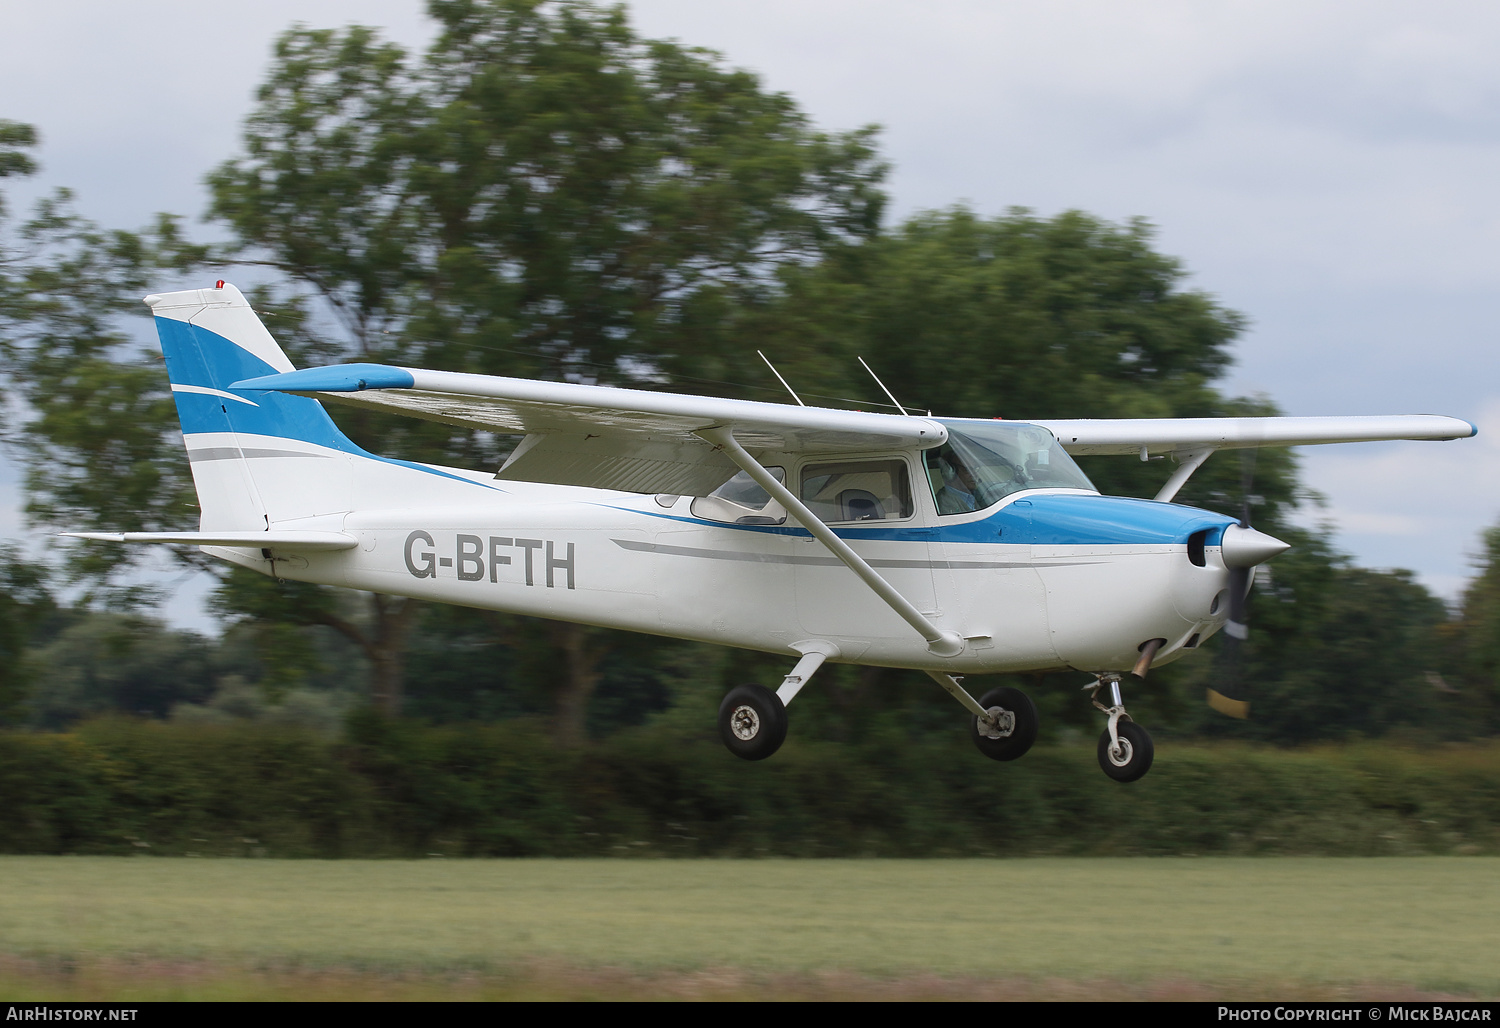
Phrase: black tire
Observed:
(1138, 752)
(1022, 733)
(752, 722)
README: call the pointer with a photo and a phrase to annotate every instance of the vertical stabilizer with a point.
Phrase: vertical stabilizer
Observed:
(258, 459)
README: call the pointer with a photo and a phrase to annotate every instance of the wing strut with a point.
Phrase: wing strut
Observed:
(939, 642)
(1191, 461)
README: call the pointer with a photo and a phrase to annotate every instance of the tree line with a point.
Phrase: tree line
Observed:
(543, 193)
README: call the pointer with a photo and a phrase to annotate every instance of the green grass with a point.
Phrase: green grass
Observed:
(1426, 923)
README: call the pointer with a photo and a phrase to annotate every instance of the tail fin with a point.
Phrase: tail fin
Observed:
(258, 459)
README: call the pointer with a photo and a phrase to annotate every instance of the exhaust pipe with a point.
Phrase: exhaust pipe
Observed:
(1148, 654)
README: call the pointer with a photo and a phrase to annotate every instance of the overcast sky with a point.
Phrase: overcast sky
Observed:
(1327, 168)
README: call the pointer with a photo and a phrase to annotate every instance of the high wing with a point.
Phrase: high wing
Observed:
(633, 440)
(1191, 441)
(641, 441)
(1181, 435)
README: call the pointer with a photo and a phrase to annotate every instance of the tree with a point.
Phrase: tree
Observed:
(1017, 316)
(25, 604)
(103, 663)
(543, 194)
(1336, 650)
(97, 428)
(1473, 640)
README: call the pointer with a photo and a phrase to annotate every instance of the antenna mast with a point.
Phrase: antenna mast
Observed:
(780, 379)
(882, 386)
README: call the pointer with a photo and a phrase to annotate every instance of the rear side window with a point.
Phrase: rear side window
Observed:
(864, 490)
(740, 501)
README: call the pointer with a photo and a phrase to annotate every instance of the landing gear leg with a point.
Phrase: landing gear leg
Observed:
(1005, 720)
(752, 718)
(1125, 750)
(1011, 728)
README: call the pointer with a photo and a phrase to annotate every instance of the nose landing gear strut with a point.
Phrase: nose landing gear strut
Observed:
(1125, 749)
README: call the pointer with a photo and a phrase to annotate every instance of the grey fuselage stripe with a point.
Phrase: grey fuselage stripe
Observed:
(818, 561)
(234, 453)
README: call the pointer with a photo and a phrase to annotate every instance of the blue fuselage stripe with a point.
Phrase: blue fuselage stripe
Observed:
(1041, 520)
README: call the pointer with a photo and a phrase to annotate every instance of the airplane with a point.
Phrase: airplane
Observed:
(947, 545)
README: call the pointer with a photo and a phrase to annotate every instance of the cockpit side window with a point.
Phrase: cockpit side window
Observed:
(984, 462)
(954, 487)
(740, 501)
(863, 490)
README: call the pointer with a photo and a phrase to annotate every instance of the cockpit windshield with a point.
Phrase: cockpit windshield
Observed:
(985, 461)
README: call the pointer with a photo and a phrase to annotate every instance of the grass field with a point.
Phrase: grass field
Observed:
(1200, 928)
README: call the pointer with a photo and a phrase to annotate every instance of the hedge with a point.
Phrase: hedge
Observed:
(390, 789)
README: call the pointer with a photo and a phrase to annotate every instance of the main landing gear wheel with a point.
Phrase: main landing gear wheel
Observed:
(1132, 758)
(752, 722)
(1015, 728)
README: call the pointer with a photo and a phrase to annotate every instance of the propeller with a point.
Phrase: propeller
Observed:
(1232, 697)
(1243, 549)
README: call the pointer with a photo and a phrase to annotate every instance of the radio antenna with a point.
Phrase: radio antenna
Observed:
(882, 386)
(780, 379)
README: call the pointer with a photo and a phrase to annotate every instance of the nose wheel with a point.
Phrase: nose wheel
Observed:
(1125, 748)
(1128, 756)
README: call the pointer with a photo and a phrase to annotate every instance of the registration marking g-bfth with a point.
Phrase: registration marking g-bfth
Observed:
(477, 558)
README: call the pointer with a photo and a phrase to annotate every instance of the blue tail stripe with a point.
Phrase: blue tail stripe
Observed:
(197, 357)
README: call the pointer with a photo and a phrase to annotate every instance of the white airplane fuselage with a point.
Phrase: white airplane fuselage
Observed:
(1046, 579)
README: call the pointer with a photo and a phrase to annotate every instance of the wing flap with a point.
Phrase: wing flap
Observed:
(610, 461)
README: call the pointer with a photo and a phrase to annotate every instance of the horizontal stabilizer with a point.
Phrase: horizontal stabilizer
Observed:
(263, 540)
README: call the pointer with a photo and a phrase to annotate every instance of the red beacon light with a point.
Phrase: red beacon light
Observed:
(219, 284)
